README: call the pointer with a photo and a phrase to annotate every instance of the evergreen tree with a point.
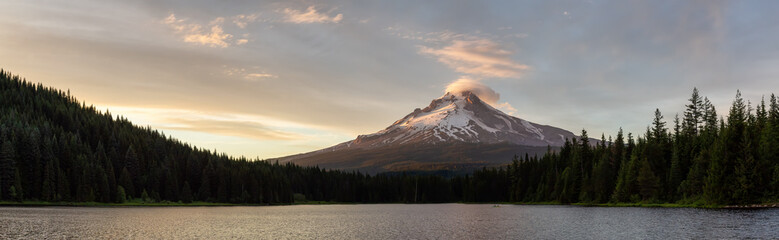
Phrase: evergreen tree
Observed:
(186, 193)
(746, 174)
(127, 183)
(7, 169)
(205, 186)
(49, 188)
(709, 117)
(103, 190)
(145, 196)
(658, 127)
(17, 191)
(121, 196)
(721, 181)
(63, 187)
(693, 114)
(647, 181)
(768, 151)
(131, 163)
(30, 162)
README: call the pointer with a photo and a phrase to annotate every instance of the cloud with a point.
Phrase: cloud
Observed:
(479, 57)
(230, 127)
(248, 76)
(258, 76)
(243, 20)
(215, 38)
(195, 33)
(506, 108)
(241, 41)
(484, 92)
(311, 15)
(223, 124)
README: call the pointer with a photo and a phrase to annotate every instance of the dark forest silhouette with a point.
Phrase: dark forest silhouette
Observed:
(55, 149)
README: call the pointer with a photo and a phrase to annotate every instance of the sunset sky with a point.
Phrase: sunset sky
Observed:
(269, 79)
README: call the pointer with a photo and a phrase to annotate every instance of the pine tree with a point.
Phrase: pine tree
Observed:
(626, 179)
(775, 182)
(64, 189)
(658, 127)
(186, 193)
(131, 163)
(17, 191)
(658, 153)
(648, 183)
(745, 174)
(126, 182)
(603, 184)
(145, 196)
(693, 114)
(205, 186)
(709, 116)
(768, 151)
(7, 168)
(721, 180)
(676, 175)
(30, 164)
(49, 188)
(121, 196)
(171, 187)
(103, 189)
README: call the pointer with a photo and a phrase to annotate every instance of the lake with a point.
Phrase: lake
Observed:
(386, 221)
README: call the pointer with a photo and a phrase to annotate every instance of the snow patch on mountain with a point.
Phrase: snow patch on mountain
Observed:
(460, 117)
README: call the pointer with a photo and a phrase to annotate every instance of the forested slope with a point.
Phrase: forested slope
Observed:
(53, 148)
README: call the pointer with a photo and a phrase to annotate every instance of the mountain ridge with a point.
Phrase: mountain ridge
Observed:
(454, 119)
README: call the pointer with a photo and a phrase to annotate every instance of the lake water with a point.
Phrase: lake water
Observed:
(385, 221)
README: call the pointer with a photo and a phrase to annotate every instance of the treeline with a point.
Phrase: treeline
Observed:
(53, 148)
(702, 159)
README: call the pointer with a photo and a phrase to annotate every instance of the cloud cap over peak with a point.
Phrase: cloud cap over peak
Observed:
(484, 92)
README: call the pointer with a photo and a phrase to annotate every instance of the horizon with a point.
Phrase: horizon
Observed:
(271, 79)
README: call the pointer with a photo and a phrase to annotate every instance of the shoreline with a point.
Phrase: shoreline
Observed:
(211, 204)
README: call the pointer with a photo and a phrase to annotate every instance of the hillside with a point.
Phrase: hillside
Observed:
(55, 149)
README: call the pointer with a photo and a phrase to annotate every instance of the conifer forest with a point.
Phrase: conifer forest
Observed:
(54, 148)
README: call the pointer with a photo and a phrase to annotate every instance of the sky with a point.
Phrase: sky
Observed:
(265, 79)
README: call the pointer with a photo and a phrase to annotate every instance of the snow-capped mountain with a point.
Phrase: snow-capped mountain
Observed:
(461, 117)
(456, 131)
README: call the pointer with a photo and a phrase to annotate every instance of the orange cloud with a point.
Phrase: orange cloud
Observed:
(478, 57)
(223, 124)
(311, 15)
(194, 33)
(243, 20)
(249, 76)
(485, 93)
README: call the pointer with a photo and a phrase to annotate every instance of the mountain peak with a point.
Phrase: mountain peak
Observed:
(449, 123)
(466, 95)
(461, 117)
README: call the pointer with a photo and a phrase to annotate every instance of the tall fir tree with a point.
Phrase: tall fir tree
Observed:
(7, 168)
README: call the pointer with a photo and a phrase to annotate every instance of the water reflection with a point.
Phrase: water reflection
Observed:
(387, 221)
